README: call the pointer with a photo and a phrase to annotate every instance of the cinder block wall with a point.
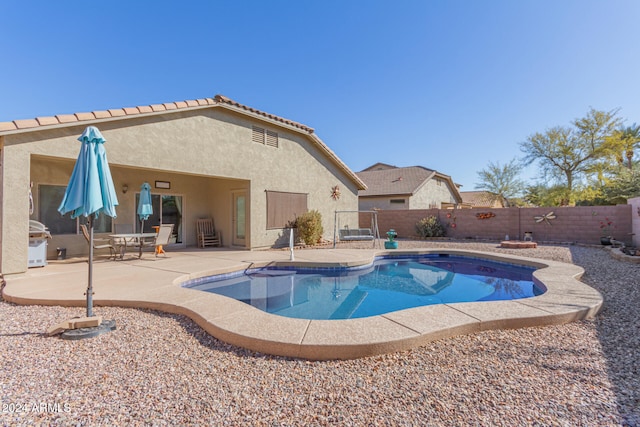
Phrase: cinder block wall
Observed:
(580, 224)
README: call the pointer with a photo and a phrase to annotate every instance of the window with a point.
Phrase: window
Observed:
(264, 136)
(398, 201)
(50, 197)
(284, 207)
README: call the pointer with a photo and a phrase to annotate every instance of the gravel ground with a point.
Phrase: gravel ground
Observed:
(162, 369)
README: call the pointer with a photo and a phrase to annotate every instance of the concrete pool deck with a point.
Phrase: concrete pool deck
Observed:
(155, 283)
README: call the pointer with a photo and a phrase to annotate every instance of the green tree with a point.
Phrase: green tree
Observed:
(501, 181)
(623, 186)
(591, 194)
(533, 194)
(542, 195)
(568, 154)
(625, 141)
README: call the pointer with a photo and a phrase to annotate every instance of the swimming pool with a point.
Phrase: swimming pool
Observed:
(391, 283)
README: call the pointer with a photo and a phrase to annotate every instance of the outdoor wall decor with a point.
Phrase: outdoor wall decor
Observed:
(451, 223)
(546, 218)
(485, 215)
(163, 184)
(335, 192)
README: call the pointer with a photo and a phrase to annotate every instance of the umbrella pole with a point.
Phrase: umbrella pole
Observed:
(90, 285)
(89, 328)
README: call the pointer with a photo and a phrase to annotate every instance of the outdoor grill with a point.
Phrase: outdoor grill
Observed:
(38, 235)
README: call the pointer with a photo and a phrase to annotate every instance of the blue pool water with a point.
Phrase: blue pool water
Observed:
(389, 284)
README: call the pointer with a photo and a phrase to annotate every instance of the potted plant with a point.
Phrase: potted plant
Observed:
(605, 228)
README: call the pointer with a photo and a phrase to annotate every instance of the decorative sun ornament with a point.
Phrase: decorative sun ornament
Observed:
(335, 192)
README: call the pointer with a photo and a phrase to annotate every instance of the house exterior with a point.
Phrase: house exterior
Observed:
(482, 199)
(249, 170)
(414, 187)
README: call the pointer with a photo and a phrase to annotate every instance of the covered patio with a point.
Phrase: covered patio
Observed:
(178, 198)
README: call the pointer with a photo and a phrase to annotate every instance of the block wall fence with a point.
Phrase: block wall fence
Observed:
(580, 224)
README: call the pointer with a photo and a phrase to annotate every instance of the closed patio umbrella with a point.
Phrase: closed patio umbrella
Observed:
(144, 204)
(90, 191)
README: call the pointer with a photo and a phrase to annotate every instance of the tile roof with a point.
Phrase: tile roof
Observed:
(394, 181)
(218, 100)
(379, 166)
(62, 119)
(480, 199)
(224, 100)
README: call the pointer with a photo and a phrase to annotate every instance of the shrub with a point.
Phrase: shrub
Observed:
(310, 227)
(430, 227)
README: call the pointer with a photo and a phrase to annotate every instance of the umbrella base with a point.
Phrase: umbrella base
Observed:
(90, 332)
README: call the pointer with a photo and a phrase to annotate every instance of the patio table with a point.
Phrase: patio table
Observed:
(123, 241)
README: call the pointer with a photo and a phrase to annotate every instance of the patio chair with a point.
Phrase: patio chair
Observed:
(207, 234)
(99, 243)
(162, 239)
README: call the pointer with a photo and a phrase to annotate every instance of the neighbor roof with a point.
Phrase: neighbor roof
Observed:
(394, 181)
(480, 198)
(379, 166)
(386, 180)
(219, 101)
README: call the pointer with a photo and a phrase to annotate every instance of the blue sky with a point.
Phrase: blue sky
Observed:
(450, 85)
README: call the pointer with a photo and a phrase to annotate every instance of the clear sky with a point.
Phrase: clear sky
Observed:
(446, 84)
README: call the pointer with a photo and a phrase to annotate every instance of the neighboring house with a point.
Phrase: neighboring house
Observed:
(414, 187)
(482, 199)
(249, 170)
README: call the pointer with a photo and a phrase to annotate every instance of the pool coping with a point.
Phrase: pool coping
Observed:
(566, 300)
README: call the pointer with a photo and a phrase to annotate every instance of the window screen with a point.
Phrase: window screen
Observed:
(284, 207)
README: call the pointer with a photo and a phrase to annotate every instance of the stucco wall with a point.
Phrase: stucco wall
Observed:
(369, 203)
(571, 224)
(431, 194)
(296, 166)
(205, 154)
(15, 208)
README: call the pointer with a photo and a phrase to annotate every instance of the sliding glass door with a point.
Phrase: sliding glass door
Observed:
(167, 209)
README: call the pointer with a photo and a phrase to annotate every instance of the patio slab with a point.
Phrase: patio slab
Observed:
(154, 283)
